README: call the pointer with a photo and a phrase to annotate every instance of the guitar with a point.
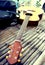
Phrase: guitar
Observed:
(37, 13)
(15, 49)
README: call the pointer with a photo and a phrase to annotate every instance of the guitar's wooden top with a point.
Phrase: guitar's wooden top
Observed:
(36, 11)
(32, 18)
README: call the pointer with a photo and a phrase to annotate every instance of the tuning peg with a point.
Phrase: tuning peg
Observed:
(20, 54)
(10, 46)
(19, 60)
(22, 50)
(6, 57)
(8, 51)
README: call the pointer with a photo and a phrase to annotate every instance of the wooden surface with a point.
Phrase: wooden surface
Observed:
(31, 41)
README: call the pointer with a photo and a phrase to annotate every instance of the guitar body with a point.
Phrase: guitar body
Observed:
(30, 23)
(37, 15)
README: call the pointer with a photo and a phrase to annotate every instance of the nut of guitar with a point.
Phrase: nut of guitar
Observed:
(14, 53)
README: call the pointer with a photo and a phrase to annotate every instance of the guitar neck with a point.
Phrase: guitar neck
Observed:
(23, 27)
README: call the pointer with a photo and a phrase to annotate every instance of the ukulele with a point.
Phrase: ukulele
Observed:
(16, 47)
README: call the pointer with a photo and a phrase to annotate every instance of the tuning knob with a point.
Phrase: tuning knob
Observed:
(20, 54)
(19, 60)
(8, 51)
(22, 50)
(6, 57)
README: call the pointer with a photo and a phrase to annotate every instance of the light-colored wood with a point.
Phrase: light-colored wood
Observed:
(40, 59)
(35, 17)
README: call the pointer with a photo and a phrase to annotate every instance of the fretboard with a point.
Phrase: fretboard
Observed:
(23, 27)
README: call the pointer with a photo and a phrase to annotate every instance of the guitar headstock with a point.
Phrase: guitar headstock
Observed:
(14, 53)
